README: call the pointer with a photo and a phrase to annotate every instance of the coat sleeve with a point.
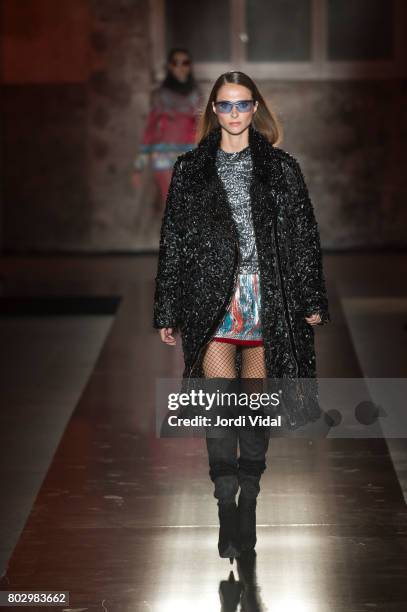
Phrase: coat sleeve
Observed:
(307, 247)
(167, 280)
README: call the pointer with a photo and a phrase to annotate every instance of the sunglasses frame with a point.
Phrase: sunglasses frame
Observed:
(233, 104)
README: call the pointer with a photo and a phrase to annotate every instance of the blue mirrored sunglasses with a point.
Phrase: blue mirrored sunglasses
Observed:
(243, 106)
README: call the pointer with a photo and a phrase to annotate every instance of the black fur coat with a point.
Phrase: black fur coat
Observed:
(198, 256)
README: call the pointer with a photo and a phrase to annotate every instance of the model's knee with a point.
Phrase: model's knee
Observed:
(249, 485)
(222, 468)
(249, 475)
(253, 467)
(226, 487)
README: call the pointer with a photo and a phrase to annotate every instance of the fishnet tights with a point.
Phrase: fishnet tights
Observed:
(219, 361)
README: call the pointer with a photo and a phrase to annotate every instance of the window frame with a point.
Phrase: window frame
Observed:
(318, 68)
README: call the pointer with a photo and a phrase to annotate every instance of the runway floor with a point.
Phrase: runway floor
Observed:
(126, 521)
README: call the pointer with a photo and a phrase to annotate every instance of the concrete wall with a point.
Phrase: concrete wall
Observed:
(45, 70)
(76, 78)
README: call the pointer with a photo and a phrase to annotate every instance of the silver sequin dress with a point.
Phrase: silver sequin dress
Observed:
(241, 323)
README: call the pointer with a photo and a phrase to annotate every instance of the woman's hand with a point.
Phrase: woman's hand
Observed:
(314, 319)
(167, 335)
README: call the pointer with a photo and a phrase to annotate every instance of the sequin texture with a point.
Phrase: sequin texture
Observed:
(242, 320)
(235, 171)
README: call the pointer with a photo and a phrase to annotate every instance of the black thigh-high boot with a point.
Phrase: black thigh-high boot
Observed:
(249, 480)
(253, 442)
(225, 491)
(247, 512)
(222, 452)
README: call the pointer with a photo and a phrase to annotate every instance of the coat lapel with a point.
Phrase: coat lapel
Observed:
(266, 166)
(267, 181)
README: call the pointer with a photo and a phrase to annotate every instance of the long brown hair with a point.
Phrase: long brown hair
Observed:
(264, 120)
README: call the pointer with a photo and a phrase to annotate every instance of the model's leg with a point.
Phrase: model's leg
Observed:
(253, 362)
(253, 443)
(219, 362)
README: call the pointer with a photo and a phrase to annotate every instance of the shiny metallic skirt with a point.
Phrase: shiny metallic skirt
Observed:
(241, 323)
